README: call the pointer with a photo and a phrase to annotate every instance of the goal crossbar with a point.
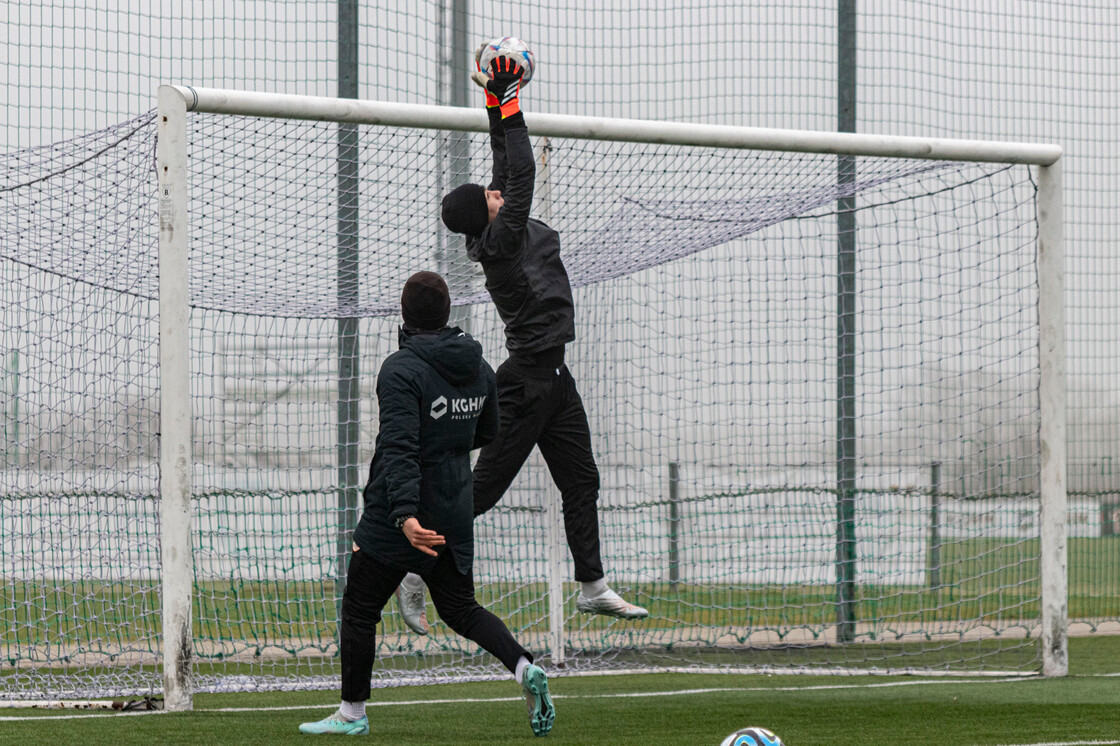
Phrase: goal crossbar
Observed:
(320, 108)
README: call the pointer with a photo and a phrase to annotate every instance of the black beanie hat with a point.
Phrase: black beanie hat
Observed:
(465, 210)
(425, 302)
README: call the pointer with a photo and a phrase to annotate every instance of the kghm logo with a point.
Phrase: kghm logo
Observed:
(439, 408)
(467, 407)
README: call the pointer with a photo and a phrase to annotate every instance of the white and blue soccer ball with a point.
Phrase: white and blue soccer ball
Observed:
(752, 737)
(515, 49)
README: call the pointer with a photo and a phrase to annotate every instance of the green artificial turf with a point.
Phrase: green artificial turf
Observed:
(668, 709)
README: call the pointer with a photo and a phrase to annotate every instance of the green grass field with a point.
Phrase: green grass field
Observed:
(685, 710)
(981, 580)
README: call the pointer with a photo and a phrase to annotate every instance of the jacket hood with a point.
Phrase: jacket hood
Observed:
(454, 354)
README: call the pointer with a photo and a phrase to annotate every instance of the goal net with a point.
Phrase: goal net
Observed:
(767, 519)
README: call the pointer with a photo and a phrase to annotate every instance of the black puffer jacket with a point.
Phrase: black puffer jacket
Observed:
(520, 255)
(437, 401)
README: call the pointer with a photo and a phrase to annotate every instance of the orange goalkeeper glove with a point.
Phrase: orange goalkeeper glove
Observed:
(502, 85)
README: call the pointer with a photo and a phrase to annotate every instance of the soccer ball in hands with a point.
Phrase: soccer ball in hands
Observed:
(752, 737)
(513, 48)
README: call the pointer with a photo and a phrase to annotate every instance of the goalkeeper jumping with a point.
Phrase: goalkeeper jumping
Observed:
(536, 393)
(436, 402)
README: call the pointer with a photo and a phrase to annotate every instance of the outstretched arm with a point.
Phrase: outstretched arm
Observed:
(500, 173)
(508, 227)
(497, 133)
(514, 169)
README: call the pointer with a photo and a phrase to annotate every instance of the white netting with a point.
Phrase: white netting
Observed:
(706, 354)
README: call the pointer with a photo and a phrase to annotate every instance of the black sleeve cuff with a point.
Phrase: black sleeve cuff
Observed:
(517, 121)
(495, 114)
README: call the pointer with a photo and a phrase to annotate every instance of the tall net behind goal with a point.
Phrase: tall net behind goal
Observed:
(707, 355)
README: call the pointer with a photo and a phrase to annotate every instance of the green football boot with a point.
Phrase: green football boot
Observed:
(336, 725)
(541, 713)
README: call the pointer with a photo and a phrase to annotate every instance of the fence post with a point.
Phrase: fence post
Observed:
(674, 525)
(933, 570)
(555, 538)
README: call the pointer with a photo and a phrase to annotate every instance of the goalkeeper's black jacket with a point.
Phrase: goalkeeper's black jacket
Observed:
(437, 401)
(519, 255)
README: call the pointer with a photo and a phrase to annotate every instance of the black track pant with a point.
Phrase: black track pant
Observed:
(540, 407)
(370, 584)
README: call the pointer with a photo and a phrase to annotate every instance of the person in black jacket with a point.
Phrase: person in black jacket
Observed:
(437, 401)
(537, 395)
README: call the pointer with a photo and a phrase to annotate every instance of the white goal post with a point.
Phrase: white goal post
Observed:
(177, 102)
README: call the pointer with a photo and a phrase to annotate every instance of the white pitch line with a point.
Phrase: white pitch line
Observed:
(1068, 743)
(483, 700)
(35, 718)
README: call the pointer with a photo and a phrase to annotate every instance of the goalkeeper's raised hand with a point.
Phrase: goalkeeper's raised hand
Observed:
(482, 78)
(502, 85)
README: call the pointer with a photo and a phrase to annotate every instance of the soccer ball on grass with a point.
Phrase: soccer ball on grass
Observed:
(513, 48)
(752, 737)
